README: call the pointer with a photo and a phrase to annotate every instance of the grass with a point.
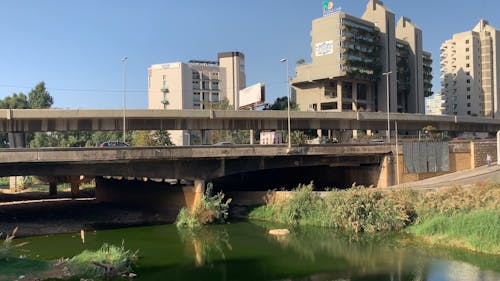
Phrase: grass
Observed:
(105, 262)
(478, 230)
(466, 217)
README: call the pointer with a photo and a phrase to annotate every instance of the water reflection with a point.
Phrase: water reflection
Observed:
(244, 251)
(205, 244)
(375, 257)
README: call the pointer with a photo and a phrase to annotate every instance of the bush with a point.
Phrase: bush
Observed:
(210, 209)
(6, 248)
(358, 209)
(108, 261)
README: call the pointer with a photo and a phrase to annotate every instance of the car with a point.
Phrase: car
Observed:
(223, 143)
(113, 144)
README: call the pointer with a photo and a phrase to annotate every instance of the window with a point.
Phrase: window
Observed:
(466, 49)
(468, 97)
(468, 89)
(467, 57)
(468, 81)
(196, 85)
(205, 85)
(468, 112)
(467, 73)
(467, 65)
(468, 104)
(196, 75)
(215, 96)
(467, 41)
(196, 96)
(328, 106)
(215, 85)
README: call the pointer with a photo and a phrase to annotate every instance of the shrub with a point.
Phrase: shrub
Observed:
(7, 247)
(210, 209)
(361, 209)
(108, 261)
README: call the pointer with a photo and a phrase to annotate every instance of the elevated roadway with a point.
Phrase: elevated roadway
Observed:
(35, 120)
(191, 162)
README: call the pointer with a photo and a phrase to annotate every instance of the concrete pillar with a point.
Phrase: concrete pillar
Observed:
(252, 137)
(387, 172)
(75, 186)
(15, 183)
(354, 105)
(199, 189)
(52, 186)
(205, 137)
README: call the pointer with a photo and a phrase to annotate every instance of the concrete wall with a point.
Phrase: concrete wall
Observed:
(463, 156)
(150, 195)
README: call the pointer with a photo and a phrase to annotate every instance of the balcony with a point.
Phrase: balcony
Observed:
(164, 89)
(165, 101)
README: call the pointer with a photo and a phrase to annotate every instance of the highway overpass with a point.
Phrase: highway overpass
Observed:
(36, 120)
(188, 162)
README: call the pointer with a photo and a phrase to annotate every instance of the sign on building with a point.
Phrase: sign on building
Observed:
(324, 48)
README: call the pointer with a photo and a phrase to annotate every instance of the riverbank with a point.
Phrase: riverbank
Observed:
(466, 217)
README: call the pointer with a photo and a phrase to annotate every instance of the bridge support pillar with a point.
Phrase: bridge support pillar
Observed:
(387, 172)
(193, 193)
(75, 186)
(15, 183)
(52, 186)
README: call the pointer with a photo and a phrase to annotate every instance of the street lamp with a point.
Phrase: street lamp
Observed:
(388, 108)
(124, 69)
(288, 104)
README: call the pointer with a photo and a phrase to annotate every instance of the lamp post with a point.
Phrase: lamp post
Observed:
(124, 69)
(388, 108)
(288, 104)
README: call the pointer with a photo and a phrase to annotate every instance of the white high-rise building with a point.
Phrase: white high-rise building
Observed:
(469, 72)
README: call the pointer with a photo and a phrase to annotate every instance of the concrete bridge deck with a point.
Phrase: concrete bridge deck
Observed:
(33, 120)
(191, 162)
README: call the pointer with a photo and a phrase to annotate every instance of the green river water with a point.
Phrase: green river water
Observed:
(244, 251)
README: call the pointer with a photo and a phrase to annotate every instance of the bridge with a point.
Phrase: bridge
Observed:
(35, 120)
(140, 170)
(188, 162)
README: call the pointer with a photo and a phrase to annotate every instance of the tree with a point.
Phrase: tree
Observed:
(19, 101)
(282, 104)
(151, 138)
(39, 97)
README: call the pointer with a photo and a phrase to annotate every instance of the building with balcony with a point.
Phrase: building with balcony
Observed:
(197, 84)
(434, 105)
(351, 54)
(469, 72)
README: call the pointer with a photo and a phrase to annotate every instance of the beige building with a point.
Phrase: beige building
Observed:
(349, 56)
(195, 85)
(434, 105)
(469, 72)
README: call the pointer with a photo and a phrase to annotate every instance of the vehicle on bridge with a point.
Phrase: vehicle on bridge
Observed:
(113, 144)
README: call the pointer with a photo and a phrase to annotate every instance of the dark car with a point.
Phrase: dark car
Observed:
(113, 144)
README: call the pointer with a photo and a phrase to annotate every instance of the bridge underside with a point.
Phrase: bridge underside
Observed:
(190, 169)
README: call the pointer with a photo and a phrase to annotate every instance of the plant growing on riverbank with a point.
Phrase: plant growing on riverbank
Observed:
(358, 209)
(461, 216)
(210, 209)
(108, 261)
(6, 248)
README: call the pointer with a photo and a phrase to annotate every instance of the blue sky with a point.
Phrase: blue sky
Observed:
(76, 46)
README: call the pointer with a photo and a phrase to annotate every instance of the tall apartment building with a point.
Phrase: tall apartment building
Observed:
(349, 56)
(435, 104)
(469, 72)
(195, 85)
